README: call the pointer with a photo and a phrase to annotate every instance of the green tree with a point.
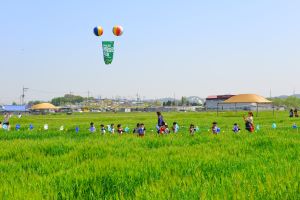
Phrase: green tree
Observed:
(67, 99)
(290, 102)
(184, 101)
(34, 102)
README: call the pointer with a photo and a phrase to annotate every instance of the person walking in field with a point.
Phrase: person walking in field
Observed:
(111, 128)
(102, 129)
(214, 128)
(291, 113)
(175, 127)
(160, 120)
(167, 130)
(92, 128)
(236, 128)
(249, 123)
(296, 112)
(120, 129)
(162, 128)
(6, 121)
(135, 130)
(141, 130)
(192, 129)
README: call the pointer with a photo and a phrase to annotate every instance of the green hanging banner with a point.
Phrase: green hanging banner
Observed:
(108, 51)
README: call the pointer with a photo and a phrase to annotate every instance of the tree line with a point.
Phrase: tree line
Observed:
(289, 102)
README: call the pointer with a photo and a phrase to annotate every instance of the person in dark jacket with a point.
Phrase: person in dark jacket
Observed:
(160, 120)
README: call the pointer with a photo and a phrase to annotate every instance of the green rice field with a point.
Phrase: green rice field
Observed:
(54, 164)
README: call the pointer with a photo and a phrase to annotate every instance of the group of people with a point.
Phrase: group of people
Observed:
(140, 129)
(162, 127)
(294, 113)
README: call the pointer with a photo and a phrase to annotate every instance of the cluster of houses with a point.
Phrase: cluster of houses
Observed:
(214, 102)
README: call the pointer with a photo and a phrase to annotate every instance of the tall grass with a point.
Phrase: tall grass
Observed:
(56, 164)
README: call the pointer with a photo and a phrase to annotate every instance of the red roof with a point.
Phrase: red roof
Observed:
(219, 97)
(212, 97)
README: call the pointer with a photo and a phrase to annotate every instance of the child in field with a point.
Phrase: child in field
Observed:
(0, 124)
(126, 129)
(120, 129)
(102, 129)
(141, 130)
(296, 112)
(135, 130)
(215, 129)
(291, 113)
(92, 127)
(144, 128)
(112, 129)
(175, 127)
(6, 121)
(167, 130)
(236, 128)
(192, 129)
(162, 128)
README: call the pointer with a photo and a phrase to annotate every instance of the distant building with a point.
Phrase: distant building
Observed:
(217, 102)
(127, 110)
(212, 102)
(14, 108)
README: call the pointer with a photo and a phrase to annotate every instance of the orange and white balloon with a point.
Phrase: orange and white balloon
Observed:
(117, 30)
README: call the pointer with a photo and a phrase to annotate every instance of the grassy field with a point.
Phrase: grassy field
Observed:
(55, 164)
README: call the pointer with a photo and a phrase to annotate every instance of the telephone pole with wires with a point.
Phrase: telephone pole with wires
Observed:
(24, 89)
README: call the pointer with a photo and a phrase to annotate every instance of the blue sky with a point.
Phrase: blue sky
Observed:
(183, 47)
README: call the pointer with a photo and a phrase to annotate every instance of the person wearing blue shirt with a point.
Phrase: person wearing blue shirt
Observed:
(175, 127)
(92, 127)
(215, 129)
(236, 128)
(141, 130)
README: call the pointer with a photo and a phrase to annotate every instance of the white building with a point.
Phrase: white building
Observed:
(212, 102)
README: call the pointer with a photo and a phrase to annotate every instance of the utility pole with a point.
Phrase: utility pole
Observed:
(23, 94)
(294, 92)
(174, 99)
(137, 99)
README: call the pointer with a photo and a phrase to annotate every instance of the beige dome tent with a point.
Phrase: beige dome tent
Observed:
(44, 106)
(247, 98)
